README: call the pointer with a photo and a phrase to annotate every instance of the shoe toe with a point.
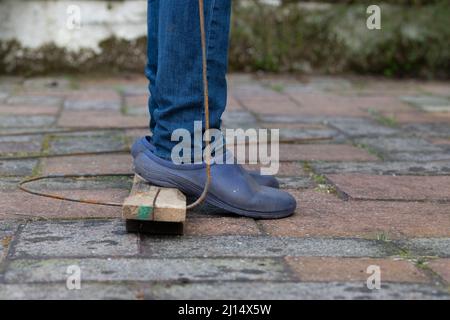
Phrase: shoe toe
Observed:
(268, 181)
(276, 203)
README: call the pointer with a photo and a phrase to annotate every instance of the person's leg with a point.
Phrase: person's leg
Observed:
(219, 52)
(177, 91)
(177, 94)
(152, 53)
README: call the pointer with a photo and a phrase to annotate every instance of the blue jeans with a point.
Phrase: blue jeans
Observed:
(174, 66)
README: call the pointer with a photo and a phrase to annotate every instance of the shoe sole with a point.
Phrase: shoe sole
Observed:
(169, 180)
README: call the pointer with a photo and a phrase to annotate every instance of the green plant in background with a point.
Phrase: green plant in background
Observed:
(333, 38)
(322, 36)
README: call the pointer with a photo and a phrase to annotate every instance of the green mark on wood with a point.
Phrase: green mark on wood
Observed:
(144, 212)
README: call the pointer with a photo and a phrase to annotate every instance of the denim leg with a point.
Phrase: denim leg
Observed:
(178, 90)
(152, 53)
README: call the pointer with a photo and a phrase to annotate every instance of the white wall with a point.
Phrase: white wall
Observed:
(36, 22)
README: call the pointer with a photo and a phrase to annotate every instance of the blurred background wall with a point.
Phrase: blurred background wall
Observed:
(53, 36)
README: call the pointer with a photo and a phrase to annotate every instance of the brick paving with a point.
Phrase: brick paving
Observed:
(368, 161)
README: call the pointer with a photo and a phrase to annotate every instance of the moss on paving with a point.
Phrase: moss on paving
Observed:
(388, 121)
(370, 150)
(320, 180)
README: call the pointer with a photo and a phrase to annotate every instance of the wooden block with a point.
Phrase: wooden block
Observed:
(152, 203)
(155, 227)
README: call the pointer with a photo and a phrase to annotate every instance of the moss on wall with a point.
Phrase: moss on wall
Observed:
(116, 55)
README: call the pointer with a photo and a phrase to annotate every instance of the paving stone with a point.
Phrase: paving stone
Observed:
(93, 100)
(35, 100)
(6, 80)
(9, 183)
(100, 119)
(379, 103)
(295, 182)
(29, 131)
(74, 144)
(439, 88)
(19, 204)
(384, 168)
(28, 110)
(361, 186)
(324, 234)
(233, 104)
(60, 94)
(294, 119)
(355, 127)
(7, 121)
(20, 144)
(320, 103)
(131, 269)
(429, 103)
(46, 83)
(418, 156)
(133, 134)
(137, 89)
(59, 291)
(294, 291)
(89, 238)
(428, 129)
(239, 119)
(249, 88)
(107, 82)
(138, 111)
(11, 216)
(286, 169)
(416, 116)
(322, 83)
(296, 125)
(301, 135)
(442, 268)
(396, 144)
(323, 152)
(79, 105)
(137, 101)
(97, 164)
(3, 95)
(221, 226)
(77, 185)
(270, 103)
(140, 100)
(320, 214)
(441, 142)
(95, 94)
(291, 169)
(244, 246)
(439, 247)
(353, 269)
(7, 230)
(86, 133)
(17, 167)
